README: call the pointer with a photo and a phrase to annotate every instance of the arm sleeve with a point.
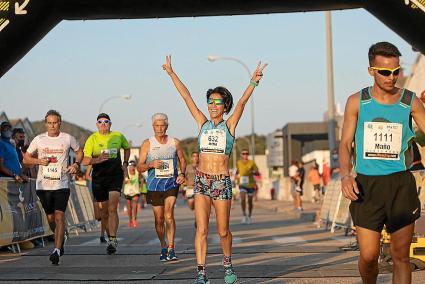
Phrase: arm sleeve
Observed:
(88, 147)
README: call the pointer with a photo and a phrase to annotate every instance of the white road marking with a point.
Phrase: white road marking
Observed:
(288, 240)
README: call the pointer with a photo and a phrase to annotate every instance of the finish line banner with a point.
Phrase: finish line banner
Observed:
(21, 214)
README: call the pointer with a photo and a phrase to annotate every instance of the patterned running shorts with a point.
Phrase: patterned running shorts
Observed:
(218, 187)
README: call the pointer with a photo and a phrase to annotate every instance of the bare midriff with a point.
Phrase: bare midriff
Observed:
(213, 164)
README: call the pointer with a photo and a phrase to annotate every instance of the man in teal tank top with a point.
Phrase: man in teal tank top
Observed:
(382, 190)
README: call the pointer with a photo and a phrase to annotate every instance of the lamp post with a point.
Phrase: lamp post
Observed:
(124, 97)
(213, 58)
(331, 99)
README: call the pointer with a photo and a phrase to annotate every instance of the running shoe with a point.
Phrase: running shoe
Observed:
(172, 255)
(201, 278)
(244, 220)
(163, 257)
(112, 246)
(102, 239)
(229, 275)
(134, 224)
(248, 220)
(54, 258)
(130, 224)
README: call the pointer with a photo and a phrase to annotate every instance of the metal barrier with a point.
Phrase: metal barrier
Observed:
(22, 216)
(335, 207)
(80, 213)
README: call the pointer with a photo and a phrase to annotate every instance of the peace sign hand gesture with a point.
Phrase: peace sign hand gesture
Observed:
(167, 66)
(258, 73)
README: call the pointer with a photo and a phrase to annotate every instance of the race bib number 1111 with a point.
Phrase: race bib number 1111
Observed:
(382, 140)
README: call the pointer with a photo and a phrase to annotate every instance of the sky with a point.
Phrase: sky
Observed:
(80, 64)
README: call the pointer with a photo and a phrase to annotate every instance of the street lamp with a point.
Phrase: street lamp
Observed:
(331, 98)
(124, 97)
(212, 58)
(132, 125)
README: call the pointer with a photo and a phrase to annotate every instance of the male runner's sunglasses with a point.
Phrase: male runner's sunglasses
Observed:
(103, 121)
(217, 102)
(387, 72)
(245, 153)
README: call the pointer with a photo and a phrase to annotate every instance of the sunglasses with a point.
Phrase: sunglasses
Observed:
(103, 121)
(387, 72)
(217, 102)
(244, 153)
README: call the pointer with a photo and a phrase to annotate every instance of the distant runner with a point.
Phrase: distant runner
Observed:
(246, 170)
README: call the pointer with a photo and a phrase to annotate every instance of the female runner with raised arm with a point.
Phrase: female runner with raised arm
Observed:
(212, 179)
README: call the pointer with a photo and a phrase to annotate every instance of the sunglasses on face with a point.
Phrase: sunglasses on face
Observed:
(244, 153)
(387, 72)
(103, 121)
(217, 102)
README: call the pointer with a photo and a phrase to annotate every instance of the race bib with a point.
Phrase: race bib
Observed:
(53, 171)
(166, 170)
(213, 141)
(382, 140)
(112, 152)
(244, 180)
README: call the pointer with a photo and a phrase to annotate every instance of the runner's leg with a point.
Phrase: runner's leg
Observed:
(113, 220)
(60, 228)
(130, 211)
(242, 195)
(250, 204)
(135, 206)
(400, 254)
(169, 203)
(202, 217)
(222, 212)
(158, 212)
(369, 242)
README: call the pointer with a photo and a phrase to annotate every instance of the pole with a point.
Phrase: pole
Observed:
(331, 100)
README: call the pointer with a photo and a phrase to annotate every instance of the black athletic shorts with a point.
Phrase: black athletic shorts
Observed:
(101, 186)
(53, 200)
(157, 198)
(130, 197)
(391, 200)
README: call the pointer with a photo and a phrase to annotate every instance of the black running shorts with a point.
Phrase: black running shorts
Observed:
(101, 186)
(157, 198)
(53, 200)
(391, 200)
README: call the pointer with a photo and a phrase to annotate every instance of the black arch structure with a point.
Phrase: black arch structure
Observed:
(23, 23)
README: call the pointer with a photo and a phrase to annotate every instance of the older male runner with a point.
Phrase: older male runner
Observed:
(50, 150)
(158, 156)
(382, 190)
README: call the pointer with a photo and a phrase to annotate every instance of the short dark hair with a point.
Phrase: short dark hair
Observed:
(52, 112)
(225, 94)
(195, 152)
(383, 48)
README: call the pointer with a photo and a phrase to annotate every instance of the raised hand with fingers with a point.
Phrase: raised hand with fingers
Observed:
(258, 73)
(167, 65)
